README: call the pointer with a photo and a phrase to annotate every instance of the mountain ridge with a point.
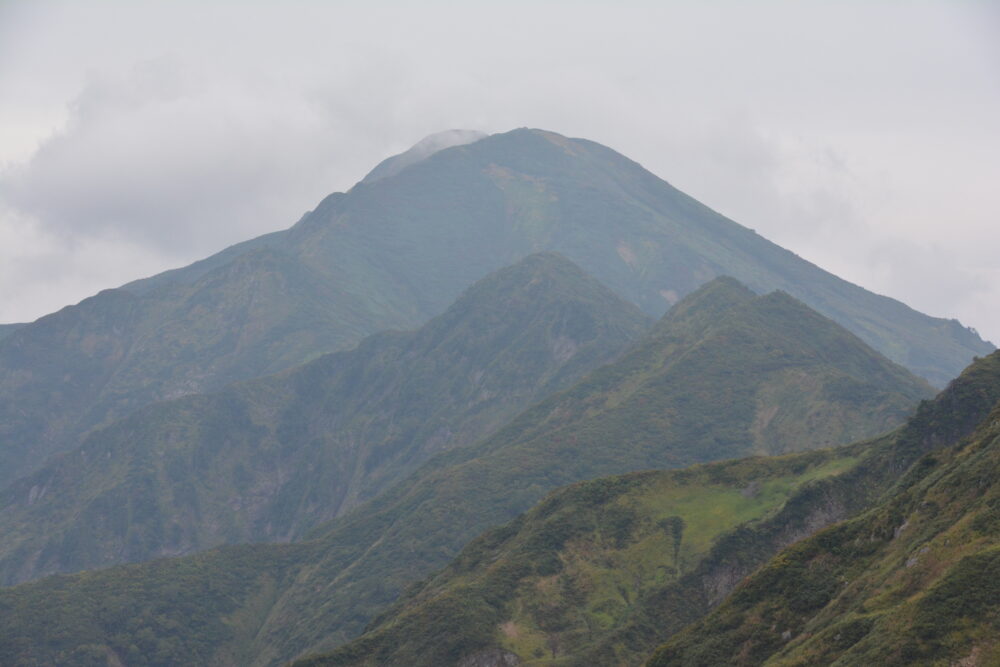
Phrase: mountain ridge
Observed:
(390, 254)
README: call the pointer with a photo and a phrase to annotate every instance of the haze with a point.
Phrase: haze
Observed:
(135, 137)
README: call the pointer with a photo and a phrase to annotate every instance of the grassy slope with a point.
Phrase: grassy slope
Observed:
(392, 253)
(270, 458)
(555, 584)
(911, 581)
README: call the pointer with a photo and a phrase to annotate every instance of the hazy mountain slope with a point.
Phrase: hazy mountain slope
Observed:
(601, 572)
(270, 458)
(390, 254)
(7, 329)
(911, 582)
(231, 606)
(527, 190)
(116, 352)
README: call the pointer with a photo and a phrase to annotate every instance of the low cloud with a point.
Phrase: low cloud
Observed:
(162, 160)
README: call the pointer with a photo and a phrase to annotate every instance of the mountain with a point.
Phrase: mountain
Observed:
(726, 373)
(269, 458)
(560, 582)
(912, 581)
(394, 251)
(601, 572)
(422, 150)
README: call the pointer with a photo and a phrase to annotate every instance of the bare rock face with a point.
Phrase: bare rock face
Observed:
(493, 657)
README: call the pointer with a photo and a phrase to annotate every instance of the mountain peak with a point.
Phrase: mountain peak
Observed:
(707, 304)
(422, 150)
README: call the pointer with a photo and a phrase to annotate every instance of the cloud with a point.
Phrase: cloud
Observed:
(164, 160)
(41, 272)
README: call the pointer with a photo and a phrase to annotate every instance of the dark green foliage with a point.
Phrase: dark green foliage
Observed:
(391, 253)
(270, 458)
(174, 612)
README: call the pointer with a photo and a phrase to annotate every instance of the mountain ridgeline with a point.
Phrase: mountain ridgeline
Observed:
(268, 459)
(394, 251)
(726, 373)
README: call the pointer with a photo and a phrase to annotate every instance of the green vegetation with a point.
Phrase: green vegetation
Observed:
(698, 387)
(392, 253)
(590, 529)
(912, 581)
(601, 572)
(690, 392)
(553, 586)
(270, 458)
(167, 612)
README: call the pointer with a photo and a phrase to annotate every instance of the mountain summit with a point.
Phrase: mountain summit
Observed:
(422, 150)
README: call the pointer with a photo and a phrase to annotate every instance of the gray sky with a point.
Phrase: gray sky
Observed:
(138, 136)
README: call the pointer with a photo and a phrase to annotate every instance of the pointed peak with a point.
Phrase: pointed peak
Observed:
(545, 278)
(422, 150)
(708, 303)
(531, 269)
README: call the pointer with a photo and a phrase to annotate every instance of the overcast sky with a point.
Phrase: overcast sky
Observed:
(138, 136)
